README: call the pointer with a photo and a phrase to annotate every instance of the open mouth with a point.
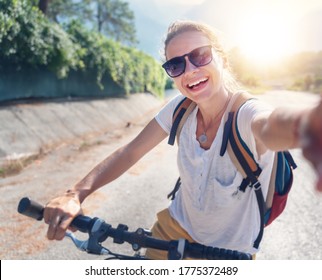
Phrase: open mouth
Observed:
(197, 83)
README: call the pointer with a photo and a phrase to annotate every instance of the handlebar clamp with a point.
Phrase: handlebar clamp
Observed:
(97, 234)
(119, 239)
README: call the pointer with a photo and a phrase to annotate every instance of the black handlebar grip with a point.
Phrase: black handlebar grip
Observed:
(35, 210)
(83, 223)
(200, 251)
(31, 209)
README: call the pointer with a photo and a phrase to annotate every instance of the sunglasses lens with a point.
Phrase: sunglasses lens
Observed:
(201, 56)
(198, 57)
(175, 67)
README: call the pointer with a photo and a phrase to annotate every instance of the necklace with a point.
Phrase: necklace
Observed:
(203, 138)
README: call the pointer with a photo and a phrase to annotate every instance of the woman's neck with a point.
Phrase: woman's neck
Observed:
(212, 110)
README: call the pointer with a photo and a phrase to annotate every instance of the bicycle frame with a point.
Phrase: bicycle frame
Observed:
(98, 231)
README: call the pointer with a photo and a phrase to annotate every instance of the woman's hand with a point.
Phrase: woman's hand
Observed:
(59, 213)
(311, 140)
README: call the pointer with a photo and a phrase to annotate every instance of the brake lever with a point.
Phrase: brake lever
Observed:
(81, 245)
(84, 245)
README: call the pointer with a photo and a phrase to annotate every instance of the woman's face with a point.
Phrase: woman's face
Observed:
(197, 83)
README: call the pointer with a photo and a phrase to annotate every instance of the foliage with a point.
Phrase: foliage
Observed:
(245, 72)
(27, 38)
(301, 71)
(68, 9)
(131, 69)
(169, 83)
(306, 71)
(308, 83)
(34, 2)
(113, 18)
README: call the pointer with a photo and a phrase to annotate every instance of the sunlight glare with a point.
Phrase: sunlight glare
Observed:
(265, 39)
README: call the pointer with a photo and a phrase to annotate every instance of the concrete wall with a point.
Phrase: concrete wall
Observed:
(41, 83)
(28, 129)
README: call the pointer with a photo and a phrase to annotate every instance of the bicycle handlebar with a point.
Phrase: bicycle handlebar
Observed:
(99, 231)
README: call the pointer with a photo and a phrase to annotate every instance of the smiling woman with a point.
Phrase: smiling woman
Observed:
(266, 38)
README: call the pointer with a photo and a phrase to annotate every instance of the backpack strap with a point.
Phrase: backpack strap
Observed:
(180, 115)
(271, 187)
(243, 158)
(172, 194)
(245, 163)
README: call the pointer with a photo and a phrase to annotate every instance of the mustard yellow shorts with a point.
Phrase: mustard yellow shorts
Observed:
(167, 228)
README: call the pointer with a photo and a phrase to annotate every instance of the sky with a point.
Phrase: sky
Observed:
(269, 29)
(264, 30)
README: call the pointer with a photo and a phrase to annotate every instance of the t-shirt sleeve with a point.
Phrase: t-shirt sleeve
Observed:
(246, 115)
(164, 116)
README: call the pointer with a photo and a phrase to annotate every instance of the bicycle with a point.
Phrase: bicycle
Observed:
(98, 231)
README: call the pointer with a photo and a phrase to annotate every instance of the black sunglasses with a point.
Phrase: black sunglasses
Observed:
(198, 57)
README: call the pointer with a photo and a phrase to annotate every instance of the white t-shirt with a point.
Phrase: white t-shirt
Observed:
(207, 205)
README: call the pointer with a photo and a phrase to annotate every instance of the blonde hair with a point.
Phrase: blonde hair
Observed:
(181, 26)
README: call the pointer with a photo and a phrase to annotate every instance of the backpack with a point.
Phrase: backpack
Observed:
(282, 173)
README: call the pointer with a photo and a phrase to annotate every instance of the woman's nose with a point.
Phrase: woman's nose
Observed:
(189, 66)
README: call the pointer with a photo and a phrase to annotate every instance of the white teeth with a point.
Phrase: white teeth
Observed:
(197, 82)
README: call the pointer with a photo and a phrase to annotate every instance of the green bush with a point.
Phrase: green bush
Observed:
(307, 83)
(128, 67)
(28, 40)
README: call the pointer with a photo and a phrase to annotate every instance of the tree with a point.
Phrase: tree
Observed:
(62, 10)
(43, 6)
(28, 40)
(113, 18)
(34, 3)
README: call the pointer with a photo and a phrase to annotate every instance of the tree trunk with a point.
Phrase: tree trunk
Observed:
(43, 6)
(99, 17)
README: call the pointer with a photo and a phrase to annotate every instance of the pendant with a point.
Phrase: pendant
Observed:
(203, 138)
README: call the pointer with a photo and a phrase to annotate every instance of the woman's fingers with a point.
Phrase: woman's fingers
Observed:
(58, 214)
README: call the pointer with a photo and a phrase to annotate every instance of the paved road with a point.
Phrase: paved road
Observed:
(139, 194)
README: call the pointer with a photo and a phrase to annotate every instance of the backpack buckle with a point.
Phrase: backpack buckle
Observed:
(256, 185)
